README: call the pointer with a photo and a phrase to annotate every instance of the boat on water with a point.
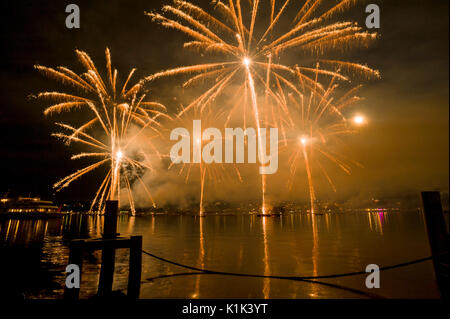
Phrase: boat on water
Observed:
(27, 205)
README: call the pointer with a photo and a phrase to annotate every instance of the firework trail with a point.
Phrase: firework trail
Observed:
(208, 173)
(315, 128)
(249, 44)
(117, 118)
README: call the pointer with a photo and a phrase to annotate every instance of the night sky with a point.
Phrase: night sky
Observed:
(404, 149)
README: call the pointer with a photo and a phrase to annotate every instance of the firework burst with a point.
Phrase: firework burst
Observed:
(211, 173)
(315, 130)
(118, 117)
(248, 45)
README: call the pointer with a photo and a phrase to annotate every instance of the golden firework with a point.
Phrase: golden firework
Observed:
(246, 46)
(211, 173)
(315, 128)
(115, 118)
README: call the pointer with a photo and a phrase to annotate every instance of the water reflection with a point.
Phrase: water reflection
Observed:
(292, 244)
(201, 258)
(376, 221)
(315, 252)
(18, 232)
(82, 226)
(266, 288)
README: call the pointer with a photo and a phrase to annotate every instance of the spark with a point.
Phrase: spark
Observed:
(303, 140)
(359, 120)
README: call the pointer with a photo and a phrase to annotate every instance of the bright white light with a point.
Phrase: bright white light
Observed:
(198, 141)
(303, 140)
(358, 120)
(246, 61)
(119, 155)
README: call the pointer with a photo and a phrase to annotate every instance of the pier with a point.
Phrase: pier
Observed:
(108, 243)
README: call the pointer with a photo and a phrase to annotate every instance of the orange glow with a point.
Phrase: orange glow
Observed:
(247, 61)
(303, 140)
(359, 120)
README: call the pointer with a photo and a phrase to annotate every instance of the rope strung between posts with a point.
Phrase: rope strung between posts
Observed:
(285, 277)
(310, 279)
(356, 291)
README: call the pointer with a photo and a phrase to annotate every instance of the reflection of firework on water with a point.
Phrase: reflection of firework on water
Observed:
(120, 114)
(315, 129)
(212, 173)
(248, 45)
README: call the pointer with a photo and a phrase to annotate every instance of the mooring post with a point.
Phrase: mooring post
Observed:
(438, 238)
(76, 258)
(110, 222)
(135, 267)
(108, 253)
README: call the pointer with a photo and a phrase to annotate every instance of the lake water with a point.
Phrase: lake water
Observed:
(34, 254)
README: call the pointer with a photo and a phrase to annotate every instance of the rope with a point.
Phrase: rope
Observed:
(356, 291)
(310, 279)
(207, 271)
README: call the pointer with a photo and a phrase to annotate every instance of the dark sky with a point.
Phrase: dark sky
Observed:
(404, 148)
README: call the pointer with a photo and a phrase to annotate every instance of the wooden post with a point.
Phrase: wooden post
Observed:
(135, 267)
(108, 244)
(76, 258)
(108, 254)
(438, 238)
(110, 222)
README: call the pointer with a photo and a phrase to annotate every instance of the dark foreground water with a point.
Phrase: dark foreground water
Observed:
(34, 254)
